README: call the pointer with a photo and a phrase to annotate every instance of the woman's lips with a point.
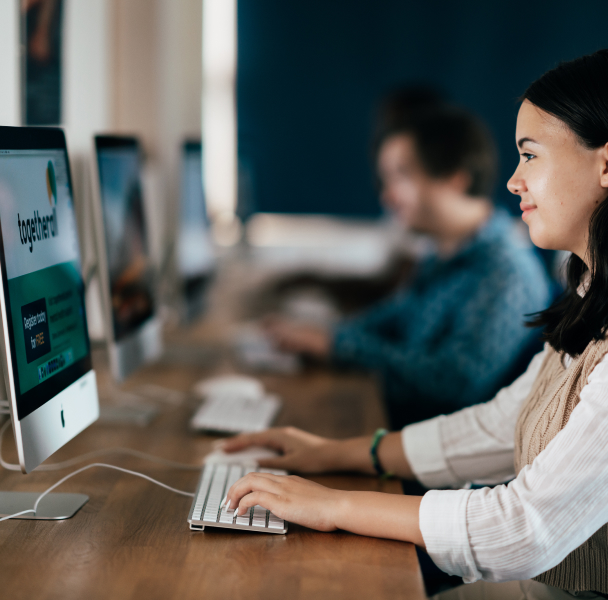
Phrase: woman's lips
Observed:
(526, 209)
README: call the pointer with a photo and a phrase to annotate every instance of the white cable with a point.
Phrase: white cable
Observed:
(135, 473)
(95, 453)
(128, 451)
(23, 512)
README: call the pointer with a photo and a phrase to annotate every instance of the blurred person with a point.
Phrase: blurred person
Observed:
(544, 536)
(452, 336)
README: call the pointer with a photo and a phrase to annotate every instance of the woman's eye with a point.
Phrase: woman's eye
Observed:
(527, 156)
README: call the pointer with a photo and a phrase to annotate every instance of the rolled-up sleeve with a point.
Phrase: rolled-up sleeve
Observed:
(522, 529)
(473, 444)
(443, 524)
(424, 450)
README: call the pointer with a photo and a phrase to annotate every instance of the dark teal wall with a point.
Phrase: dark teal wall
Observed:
(310, 73)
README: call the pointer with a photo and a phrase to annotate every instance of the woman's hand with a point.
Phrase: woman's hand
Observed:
(297, 500)
(307, 453)
(300, 451)
(303, 339)
(288, 497)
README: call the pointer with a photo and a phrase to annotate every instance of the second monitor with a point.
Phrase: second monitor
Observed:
(195, 254)
(131, 322)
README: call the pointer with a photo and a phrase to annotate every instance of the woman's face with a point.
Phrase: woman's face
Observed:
(560, 181)
(420, 202)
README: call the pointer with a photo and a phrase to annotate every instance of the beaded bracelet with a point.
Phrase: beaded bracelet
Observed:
(380, 433)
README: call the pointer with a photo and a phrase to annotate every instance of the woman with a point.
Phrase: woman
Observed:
(545, 533)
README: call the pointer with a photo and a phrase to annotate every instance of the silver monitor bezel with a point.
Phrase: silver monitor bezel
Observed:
(145, 344)
(43, 431)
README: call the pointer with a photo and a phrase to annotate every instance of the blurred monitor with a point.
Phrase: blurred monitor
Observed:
(195, 254)
(131, 323)
(47, 373)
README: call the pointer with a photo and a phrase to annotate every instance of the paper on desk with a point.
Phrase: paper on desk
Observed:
(250, 456)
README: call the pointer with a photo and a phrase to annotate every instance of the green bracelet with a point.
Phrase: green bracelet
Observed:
(373, 450)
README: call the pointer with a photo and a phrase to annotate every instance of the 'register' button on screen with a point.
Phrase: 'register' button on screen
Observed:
(36, 329)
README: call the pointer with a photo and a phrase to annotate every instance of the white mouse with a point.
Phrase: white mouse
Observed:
(230, 385)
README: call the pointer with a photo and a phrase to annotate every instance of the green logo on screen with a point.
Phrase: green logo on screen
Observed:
(51, 184)
(40, 228)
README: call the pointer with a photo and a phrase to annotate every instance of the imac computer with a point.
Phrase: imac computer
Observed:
(195, 254)
(131, 322)
(50, 386)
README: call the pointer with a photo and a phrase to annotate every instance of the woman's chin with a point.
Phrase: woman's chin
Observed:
(543, 242)
(537, 237)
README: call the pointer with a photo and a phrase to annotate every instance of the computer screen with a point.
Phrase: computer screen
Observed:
(42, 283)
(195, 254)
(130, 269)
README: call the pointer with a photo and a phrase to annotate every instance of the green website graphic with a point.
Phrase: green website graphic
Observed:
(48, 322)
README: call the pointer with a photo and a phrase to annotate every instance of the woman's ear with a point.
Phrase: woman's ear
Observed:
(604, 166)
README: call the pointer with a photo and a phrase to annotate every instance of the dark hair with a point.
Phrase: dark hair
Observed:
(449, 140)
(398, 106)
(576, 93)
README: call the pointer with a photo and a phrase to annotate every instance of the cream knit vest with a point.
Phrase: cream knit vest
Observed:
(554, 395)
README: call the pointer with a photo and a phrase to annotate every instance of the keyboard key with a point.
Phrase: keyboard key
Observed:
(202, 493)
(274, 522)
(244, 519)
(216, 494)
(259, 516)
(236, 472)
(215, 482)
(226, 516)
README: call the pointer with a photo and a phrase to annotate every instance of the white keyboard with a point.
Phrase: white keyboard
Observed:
(216, 480)
(236, 414)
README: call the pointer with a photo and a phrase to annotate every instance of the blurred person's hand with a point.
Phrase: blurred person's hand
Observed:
(302, 339)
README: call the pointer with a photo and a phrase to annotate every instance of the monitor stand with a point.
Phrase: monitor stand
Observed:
(135, 407)
(54, 507)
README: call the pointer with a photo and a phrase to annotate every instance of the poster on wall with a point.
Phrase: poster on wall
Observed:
(41, 35)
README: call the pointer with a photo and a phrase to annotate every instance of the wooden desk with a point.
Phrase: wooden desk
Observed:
(131, 540)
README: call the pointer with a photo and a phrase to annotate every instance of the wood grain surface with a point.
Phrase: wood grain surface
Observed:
(132, 541)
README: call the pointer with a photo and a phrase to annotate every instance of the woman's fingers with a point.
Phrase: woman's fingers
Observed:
(271, 438)
(299, 451)
(291, 498)
(254, 482)
(236, 443)
(266, 499)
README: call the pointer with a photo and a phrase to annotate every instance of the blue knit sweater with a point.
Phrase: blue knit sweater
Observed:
(450, 338)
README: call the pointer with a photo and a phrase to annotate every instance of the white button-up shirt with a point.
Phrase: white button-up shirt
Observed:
(519, 530)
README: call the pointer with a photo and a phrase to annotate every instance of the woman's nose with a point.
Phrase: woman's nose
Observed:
(516, 184)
